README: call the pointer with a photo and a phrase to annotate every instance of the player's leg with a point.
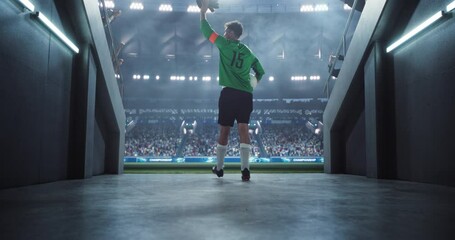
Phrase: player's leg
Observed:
(243, 133)
(221, 147)
(243, 118)
(245, 149)
(226, 121)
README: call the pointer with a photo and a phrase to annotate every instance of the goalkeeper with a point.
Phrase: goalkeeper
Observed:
(236, 98)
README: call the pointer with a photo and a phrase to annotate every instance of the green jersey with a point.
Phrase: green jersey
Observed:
(236, 60)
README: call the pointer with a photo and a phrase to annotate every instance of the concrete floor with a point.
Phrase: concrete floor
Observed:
(201, 206)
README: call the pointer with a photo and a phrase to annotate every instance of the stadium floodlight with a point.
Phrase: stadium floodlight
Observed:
(306, 8)
(136, 6)
(415, 31)
(271, 78)
(146, 77)
(254, 127)
(206, 78)
(298, 78)
(165, 8)
(27, 4)
(109, 4)
(321, 8)
(177, 78)
(43, 19)
(315, 77)
(315, 8)
(310, 126)
(157, 77)
(450, 7)
(193, 9)
(347, 7)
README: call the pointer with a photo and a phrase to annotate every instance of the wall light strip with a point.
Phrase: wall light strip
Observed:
(27, 4)
(57, 31)
(415, 31)
(451, 6)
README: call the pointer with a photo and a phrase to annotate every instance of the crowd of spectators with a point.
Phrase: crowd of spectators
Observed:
(163, 140)
(291, 140)
(152, 140)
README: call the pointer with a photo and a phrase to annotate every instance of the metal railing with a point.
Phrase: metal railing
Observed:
(338, 56)
(116, 62)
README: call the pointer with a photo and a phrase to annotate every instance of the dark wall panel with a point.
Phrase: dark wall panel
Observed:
(57, 102)
(23, 71)
(20, 98)
(101, 131)
(425, 102)
(355, 148)
(34, 97)
(98, 151)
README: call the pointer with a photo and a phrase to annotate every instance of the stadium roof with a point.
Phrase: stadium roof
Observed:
(288, 43)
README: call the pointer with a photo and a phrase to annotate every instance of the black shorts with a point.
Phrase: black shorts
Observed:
(234, 105)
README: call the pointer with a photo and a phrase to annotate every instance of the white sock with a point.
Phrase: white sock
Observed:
(220, 153)
(245, 156)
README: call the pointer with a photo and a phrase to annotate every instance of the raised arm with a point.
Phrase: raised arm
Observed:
(204, 8)
(207, 30)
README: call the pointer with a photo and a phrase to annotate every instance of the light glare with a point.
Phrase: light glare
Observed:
(321, 8)
(27, 4)
(165, 8)
(451, 6)
(193, 9)
(415, 31)
(306, 8)
(136, 6)
(304, 78)
(109, 4)
(57, 31)
(316, 8)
